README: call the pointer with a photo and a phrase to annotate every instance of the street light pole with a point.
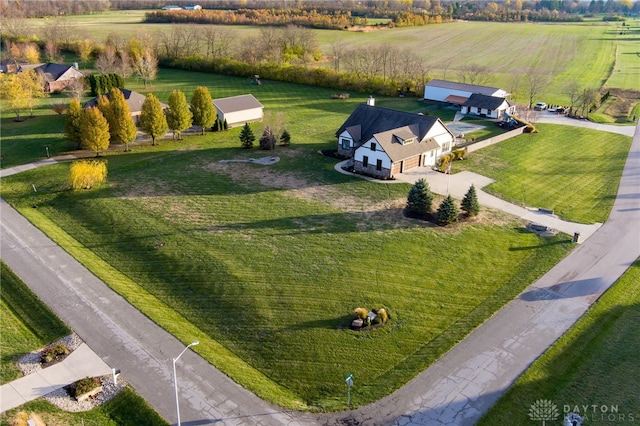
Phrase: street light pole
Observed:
(175, 378)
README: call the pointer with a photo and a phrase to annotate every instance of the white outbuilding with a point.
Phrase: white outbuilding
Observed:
(457, 93)
(238, 110)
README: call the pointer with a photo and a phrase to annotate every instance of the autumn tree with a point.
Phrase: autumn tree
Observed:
(124, 129)
(94, 131)
(204, 114)
(21, 90)
(179, 115)
(84, 49)
(420, 198)
(152, 119)
(104, 105)
(72, 125)
(470, 203)
(83, 174)
(247, 137)
(145, 65)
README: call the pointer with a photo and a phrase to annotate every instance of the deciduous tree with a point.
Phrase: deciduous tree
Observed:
(104, 105)
(72, 125)
(204, 114)
(94, 130)
(21, 90)
(124, 130)
(179, 115)
(152, 119)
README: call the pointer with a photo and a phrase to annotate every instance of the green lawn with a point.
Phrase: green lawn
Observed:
(267, 264)
(28, 324)
(571, 170)
(594, 363)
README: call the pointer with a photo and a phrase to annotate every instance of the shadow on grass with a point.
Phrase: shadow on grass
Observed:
(338, 323)
(539, 246)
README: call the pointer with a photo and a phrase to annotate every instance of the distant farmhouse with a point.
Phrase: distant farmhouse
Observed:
(134, 101)
(238, 110)
(484, 101)
(57, 77)
(193, 6)
(171, 7)
(383, 142)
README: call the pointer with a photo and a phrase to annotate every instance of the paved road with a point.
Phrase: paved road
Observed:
(456, 390)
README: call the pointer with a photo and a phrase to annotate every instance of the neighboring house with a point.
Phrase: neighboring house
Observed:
(488, 106)
(457, 93)
(384, 142)
(192, 6)
(171, 7)
(134, 101)
(57, 77)
(238, 110)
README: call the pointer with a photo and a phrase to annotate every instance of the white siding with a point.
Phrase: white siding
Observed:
(440, 94)
(345, 135)
(238, 118)
(379, 154)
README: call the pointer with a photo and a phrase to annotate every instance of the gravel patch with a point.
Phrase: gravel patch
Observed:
(30, 363)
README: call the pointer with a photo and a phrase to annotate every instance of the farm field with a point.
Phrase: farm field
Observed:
(581, 52)
(27, 324)
(594, 364)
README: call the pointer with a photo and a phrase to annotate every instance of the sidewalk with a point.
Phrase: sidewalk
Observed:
(81, 363)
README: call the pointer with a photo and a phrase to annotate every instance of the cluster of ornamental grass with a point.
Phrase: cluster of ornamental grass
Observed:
(51, 353)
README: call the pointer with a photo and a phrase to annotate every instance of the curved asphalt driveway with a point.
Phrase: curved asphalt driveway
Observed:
(456, 390)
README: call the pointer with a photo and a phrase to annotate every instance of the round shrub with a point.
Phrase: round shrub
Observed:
(361, 313)
(53, 352)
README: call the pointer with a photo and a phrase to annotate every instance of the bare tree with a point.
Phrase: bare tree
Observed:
(76, 87)
(337, 51)
(146, 66)
(218, 42)
(536, 84)
(588, 98)
(107, 60)
(473, 74)
(573, 90)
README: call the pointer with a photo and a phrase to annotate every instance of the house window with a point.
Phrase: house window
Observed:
(379, 165)
(373, 146)
(365, 161)
(346, 143)
(445, 147)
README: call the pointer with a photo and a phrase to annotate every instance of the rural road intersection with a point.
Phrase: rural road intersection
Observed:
(456, 390)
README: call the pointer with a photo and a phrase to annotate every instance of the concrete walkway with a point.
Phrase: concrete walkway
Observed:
(81, 363)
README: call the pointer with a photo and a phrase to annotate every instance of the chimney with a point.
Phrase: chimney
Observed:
(371, 101)
(75, 65)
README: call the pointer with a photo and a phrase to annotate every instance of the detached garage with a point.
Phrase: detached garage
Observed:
(238, 110)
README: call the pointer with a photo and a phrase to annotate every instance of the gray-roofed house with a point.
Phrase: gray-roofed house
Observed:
(488, 106)
(57, 77)
(238, 110)
(457, 93)
(384, 142)
(134, 101)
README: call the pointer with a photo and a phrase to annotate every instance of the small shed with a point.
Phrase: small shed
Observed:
(238, 110)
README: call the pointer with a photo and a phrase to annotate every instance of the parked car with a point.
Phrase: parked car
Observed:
(540, 106)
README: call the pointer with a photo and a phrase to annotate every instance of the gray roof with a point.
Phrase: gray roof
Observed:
(483, 101)
(370, 120)
(53, 72)
(237, 103)
(485, 90)
(134, 101)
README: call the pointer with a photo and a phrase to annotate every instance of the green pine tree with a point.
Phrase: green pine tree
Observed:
(420, 198)
(247, 137)
(179, 116)
(152, 119)
(285, 138)
(267, 140)
(72, 122)
(204, 114)
(447, 212)
(94, 130)
(124, 130)
(470, 202)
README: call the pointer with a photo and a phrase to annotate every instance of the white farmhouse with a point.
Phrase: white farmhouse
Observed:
(488, 106)
(384, 142)
(238, 110)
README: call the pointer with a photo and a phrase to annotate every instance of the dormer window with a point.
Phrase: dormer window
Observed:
(405, 141)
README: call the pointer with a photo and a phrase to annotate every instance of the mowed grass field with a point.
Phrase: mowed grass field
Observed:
(567, 52)
(571, 170)
(28, 324)
(594, 364)
(264, 265)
